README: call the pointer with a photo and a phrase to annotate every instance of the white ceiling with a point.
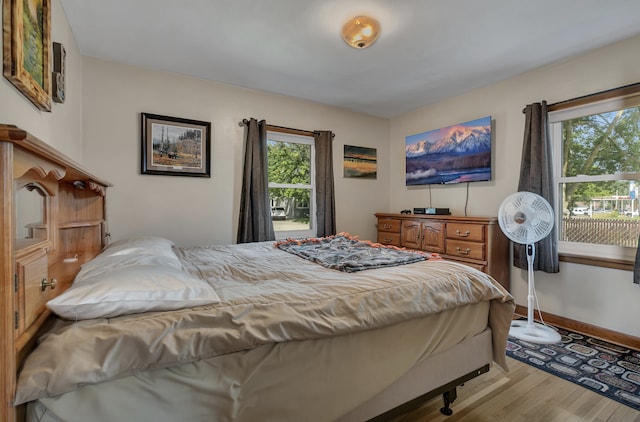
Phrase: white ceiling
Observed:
(428, 50)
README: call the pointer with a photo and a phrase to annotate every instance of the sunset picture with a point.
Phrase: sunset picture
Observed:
(360, 162)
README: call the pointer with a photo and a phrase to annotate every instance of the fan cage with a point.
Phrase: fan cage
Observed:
(526, 217)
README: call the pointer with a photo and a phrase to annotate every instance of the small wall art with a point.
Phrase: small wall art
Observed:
(173, 146)
(58, 76)
(360, 162)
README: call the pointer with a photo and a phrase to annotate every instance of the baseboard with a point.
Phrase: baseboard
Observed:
(584, 328)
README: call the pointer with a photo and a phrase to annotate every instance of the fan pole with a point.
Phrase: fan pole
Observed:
(532, 331)
(531, 253)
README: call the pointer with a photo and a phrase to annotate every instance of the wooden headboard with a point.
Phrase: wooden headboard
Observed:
(52, 220)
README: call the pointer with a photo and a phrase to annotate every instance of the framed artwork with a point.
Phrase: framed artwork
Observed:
(26, 27)
(173, 146)
(360, 162)
(58, 75)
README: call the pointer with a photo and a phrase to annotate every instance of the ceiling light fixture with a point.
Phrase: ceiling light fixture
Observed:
(361, 31)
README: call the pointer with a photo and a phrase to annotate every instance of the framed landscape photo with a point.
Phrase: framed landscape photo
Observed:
(173, 146)
(360, 162)
(26, 27)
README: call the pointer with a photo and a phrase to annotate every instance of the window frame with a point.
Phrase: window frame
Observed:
(588, 253)
(277, 136)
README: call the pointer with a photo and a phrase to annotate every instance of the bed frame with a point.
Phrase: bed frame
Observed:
(53, 220)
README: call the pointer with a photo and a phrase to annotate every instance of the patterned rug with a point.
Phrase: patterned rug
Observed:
(607, 369)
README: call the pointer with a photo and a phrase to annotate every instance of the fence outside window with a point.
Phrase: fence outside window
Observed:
(601, 231)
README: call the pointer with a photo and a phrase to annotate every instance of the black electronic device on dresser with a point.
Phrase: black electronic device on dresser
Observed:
(432, 211)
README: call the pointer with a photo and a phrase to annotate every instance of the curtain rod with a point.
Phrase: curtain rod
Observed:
(284, 129)
(591, 98)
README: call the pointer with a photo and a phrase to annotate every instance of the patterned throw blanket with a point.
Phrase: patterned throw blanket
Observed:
(347, 253)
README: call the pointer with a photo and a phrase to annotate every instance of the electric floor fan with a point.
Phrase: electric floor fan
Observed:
(526, 218)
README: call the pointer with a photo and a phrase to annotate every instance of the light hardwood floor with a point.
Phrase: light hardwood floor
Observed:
(523, 394)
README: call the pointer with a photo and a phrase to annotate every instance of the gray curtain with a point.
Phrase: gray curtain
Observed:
(325, 196)
(255, 223)
(536, 175)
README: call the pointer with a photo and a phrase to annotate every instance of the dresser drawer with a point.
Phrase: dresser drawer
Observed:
(389, 238)
(464, 249)
(389, 225)
(462, 231)
(31, 271)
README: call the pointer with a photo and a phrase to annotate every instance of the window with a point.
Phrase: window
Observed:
(291, 184)
(597, 169)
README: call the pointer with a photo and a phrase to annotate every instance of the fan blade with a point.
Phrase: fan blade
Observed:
(543, 229)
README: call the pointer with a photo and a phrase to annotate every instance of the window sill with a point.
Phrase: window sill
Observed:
(617, 264)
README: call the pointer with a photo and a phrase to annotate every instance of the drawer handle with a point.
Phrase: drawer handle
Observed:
(51, 284)
(387, 226)
(465, 234)
(462, 252)
(387, 240)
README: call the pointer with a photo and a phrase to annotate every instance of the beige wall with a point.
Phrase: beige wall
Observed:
(599, 296)
(196, 211)
(62, 127)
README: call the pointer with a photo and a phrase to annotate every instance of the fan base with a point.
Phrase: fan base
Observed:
(534, 332)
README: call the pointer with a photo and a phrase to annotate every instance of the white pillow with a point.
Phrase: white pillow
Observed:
(147, 250)
(105, 263)
(140, 245)
(141, 241)
(130, 290)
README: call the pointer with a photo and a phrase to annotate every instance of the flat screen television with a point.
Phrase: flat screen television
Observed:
(454, 154)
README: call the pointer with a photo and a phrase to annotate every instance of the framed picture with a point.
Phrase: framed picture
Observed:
(26, 30)
(360, 162)
(173, 146)
(58, 74)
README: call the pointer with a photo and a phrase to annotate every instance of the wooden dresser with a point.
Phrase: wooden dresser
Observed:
(474, 241)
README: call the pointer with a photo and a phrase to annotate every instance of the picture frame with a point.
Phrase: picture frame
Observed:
(360, 162)
(174, 146)
(27, 49)
(59, 73)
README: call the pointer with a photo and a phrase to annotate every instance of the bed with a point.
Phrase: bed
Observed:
(283, 337)
(144, 330)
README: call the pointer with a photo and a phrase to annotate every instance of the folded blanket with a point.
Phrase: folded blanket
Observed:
(347, 253)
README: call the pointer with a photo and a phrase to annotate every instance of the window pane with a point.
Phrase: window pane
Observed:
(605, 143)
(290, 209)
(603, 213)
(290, 159)
(613, 198)
(289, 162)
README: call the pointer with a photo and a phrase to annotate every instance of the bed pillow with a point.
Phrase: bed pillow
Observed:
(144, 244)
(131, 290)
(104, 264)
(147, 250)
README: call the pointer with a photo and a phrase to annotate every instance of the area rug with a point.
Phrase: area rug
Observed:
(607, 369)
